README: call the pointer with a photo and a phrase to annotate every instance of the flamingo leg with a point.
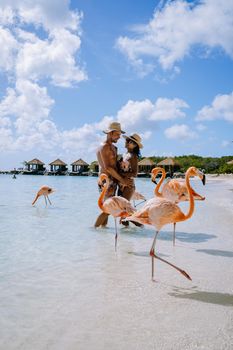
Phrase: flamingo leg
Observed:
(152, 254)
(45, 200)
(174, 233)
(49, 200)
(184, 273)
(115, 234)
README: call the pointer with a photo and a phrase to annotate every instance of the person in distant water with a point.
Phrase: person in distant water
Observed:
(128, 166)
(107, 159)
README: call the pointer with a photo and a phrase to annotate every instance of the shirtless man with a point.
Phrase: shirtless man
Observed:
(107, 159)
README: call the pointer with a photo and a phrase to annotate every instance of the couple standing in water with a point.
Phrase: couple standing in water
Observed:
(121, 173)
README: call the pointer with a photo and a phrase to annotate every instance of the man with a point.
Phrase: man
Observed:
(107, 159)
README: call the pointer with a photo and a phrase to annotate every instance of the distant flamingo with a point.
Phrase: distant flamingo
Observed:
(44, 191)
(116, 206)
(175, 190)
(162, 211)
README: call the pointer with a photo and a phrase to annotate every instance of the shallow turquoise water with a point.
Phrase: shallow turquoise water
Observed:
(62, 286)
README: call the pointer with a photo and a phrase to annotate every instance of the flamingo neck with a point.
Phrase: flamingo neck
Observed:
(102, 194)
(191, 198)
(156, 191)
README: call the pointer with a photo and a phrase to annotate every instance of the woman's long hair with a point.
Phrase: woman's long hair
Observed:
(136, 151)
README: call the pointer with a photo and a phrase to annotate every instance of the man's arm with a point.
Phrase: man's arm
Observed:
(109, 161)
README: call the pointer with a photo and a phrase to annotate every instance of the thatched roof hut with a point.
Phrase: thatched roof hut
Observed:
(35, 161)
(57, 162)
(58, 166)
(170, 163)
(80, 162)
(167, 162)
(230, 162)
(145, 165)
(94, 167)
(79, 166)
(35, 165)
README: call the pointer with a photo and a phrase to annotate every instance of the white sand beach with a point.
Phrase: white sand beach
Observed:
(63, 287)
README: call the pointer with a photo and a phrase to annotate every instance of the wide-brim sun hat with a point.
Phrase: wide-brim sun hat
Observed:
(135, 138)
(114, 126)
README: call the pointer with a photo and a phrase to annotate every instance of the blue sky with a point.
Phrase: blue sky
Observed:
(164, 69)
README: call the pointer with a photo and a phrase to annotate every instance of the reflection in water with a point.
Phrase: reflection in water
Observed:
(217, 252)
(205, 297)
(168, 236)
(194, 237)
(41, 212)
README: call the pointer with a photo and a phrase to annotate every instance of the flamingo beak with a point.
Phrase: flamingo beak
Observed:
(153, 180)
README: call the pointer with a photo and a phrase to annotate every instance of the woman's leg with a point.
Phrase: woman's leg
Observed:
(126, 193)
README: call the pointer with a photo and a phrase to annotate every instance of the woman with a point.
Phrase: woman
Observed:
(128, 165)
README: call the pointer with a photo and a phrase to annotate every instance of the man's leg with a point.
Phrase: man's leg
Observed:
(102, 220)
(127, 194)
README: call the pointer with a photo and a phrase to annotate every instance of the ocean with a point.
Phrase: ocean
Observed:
(63, 286)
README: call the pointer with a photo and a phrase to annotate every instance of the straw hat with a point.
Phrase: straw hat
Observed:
(114, 126)
(135, 138)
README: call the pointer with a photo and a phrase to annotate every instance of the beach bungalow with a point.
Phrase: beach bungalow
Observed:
(79, 167)
(169, 164)
(34, 167)
(145, 166)
(94, 168)
(58, 167)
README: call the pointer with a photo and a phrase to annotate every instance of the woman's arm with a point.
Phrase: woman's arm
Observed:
(134, 165)
(133, 160)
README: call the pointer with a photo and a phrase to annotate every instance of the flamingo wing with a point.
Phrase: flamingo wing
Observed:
(117, 205)
(141, 216)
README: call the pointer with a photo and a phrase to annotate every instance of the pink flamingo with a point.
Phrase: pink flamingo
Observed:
(175, 190)
(161, 211)
(44, 191)
(116, 206)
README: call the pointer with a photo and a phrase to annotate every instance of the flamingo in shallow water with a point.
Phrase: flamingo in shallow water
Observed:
(44, 191)
(175, 190)
(161, 211)
(116, 206)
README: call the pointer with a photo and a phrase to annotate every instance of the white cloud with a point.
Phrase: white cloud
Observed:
(48, 14)
(175, 29)
(28, 104)
(5, 122)
(180, 132)
(25, 111)
(82, 141)
(6, 15)
(167, 109)
(201, 127)
(34, 54)
(52, 58)
(145, 114)
(39, 43)
(6, 139)
(9, 47)
(221, 108)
